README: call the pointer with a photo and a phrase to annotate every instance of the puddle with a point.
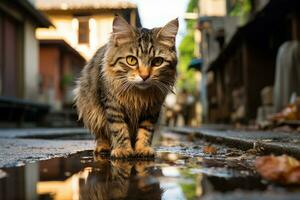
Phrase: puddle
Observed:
(81, 176)
(180, 171)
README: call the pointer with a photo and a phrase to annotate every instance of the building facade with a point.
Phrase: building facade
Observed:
(84, 25)
(19, 49)
(246, 63)
(60, 66)
(80, 28)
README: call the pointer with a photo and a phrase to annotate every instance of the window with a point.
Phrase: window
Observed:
(83, 30)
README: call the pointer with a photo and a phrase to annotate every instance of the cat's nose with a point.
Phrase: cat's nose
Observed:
(144, 76)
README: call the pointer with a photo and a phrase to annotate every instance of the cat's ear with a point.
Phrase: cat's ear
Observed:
(122, 31)
(167, 34)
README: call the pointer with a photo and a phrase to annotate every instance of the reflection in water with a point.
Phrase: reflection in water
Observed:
(121, 180)
(20, 183)
(99, 179)
(82, 177)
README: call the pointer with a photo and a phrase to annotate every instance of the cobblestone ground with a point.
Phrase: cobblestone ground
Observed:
(185, 167)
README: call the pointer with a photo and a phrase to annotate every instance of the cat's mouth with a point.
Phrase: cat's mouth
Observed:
(143, 85)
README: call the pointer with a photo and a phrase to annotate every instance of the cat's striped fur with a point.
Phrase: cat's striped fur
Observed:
(112, 98)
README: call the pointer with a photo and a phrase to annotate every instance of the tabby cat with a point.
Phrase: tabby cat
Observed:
(121, 90)
(121, 179)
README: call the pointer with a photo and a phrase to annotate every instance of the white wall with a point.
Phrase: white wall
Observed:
(31, 59)
(66, 28)
(212, 7)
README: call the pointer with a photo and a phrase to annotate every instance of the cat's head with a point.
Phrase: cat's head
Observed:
(142, 58)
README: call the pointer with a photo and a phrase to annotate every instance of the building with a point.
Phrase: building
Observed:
(60, 66)
(80, 28)
(84, 25)
(246, 63)
(212, 8)
(19, 48)
(211, 24)
(19, 56)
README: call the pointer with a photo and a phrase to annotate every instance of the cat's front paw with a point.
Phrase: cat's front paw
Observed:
(102, 149)
(100, 159)
(122, 153)
(144, 152)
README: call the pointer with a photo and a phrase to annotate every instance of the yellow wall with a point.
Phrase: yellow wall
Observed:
(66, 28)
(212, 7)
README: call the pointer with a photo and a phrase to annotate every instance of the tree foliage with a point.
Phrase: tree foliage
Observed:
(192, 7)
(241, 8)
(186, 79)
(193, 4)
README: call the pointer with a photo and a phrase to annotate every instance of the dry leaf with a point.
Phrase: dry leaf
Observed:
(209, 150)
(2, 174)
(283, 169)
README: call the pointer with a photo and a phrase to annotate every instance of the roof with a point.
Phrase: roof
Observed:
(41, 20)
(62, 44)
(83, 4)
(266, 21)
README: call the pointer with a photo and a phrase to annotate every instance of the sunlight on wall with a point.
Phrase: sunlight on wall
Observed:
(212, 8)
(74, 35)
(66, 28)
(66, 189)
(93, 33)
(57, 189)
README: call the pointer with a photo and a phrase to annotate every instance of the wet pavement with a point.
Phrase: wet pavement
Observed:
(182, 169)
(16, 152)
(46, 133)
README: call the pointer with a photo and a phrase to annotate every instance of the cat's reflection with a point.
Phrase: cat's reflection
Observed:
(121, 180)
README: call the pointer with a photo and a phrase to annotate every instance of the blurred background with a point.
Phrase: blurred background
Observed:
(238, 59)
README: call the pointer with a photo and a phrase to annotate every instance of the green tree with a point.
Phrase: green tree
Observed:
(241, 8)
(186, 79)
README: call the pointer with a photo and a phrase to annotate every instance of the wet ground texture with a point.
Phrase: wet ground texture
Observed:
(185, 167)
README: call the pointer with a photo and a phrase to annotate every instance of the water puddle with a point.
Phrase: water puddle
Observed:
(180, 171)
(81, 176)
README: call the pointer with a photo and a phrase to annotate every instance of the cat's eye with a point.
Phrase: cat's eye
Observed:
(157, 61)
(131, 60)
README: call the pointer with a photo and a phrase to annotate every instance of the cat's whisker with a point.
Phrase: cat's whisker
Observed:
(163, 80)
(124, 86)
(162, 87)
(157, 86)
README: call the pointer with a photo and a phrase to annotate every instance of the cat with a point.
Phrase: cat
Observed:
(121, 90)
(119, 179)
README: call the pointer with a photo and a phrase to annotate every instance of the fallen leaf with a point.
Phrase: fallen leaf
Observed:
(2, 174)
(283, 169)
(209, 150)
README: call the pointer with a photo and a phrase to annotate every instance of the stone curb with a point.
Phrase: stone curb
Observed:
(262, 141)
